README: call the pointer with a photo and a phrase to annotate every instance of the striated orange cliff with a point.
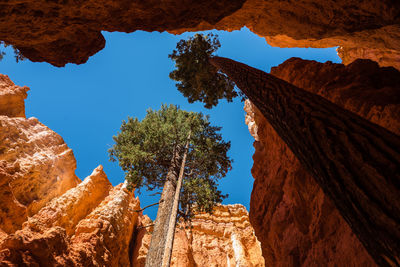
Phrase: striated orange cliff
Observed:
(224, 238)
(35, 163)
(89, 225)
(293, 219)
(60, 32)
(48, 217)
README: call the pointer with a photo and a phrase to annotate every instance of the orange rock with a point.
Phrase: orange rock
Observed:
(66, 31)
(35, 163)
(104, 236)
(69, 209)
(385, 58)
(224, 238)
(12, 98)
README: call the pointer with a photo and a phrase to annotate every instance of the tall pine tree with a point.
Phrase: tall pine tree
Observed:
(356, 162)
(181, 153)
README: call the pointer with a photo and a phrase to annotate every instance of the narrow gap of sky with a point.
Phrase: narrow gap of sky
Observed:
(86, 103)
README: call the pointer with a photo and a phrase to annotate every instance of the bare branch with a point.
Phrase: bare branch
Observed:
(149, 206)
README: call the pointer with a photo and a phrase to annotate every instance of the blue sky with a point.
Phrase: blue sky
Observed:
(86, 103)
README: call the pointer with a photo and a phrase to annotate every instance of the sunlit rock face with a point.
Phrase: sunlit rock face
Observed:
(224, 238)
(65, 31)
(89, 225)
(35, 163)
(385, 58)
(295, 222)
(12, 98)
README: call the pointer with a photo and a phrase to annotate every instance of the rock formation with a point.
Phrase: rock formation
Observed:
(292, 218)
(49, 218)
(12, 98)
(35, 163)
(64, 31)
(224, 238)
(89, 225)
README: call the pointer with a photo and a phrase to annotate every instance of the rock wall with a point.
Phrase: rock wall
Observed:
(89, 225)
(294, 221)
(35, 163)
(224, 238)
(60, 32)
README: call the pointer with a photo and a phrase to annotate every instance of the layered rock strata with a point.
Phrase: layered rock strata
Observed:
(224, 238)
(90, 225)
(293, 219)
(12, 98)
(35, 163)
(64, 31)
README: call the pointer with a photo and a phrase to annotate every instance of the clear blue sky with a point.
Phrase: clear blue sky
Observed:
(86, 103)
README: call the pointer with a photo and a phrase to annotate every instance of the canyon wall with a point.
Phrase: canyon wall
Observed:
(295, 222)
(35, 163)
(48, 217)
(224, 238)
(61, 32)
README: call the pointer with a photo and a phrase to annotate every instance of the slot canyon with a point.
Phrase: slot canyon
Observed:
(50, 217)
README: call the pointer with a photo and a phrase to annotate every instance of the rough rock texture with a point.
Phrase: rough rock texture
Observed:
(294, 221)
(69, 209)
(104, 236)
(35, 163)
(89, 225)
(12, 98)
(224, 238)
(65, 31)
(385, 58)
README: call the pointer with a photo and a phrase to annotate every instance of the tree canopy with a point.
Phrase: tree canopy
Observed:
(144, 150)
(197, 79)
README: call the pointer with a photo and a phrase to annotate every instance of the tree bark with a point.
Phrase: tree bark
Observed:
(172, 220)
(155, 255)
(356, 162)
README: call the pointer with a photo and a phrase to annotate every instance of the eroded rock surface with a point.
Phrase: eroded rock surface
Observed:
(12, 98)
(89, 225)
(224, 238)
(35, 163)
(65, 31)
(292, 218)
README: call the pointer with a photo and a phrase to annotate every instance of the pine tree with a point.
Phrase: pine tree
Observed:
(168, 149)
(356, 162)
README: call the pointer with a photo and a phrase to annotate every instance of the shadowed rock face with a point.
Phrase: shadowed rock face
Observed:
(293, 219)
(60, 32)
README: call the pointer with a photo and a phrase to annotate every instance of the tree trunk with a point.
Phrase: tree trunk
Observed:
(356, 162)
(155, 255)
(172, 221)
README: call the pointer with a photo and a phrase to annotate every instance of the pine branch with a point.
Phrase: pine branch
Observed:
(149, 206)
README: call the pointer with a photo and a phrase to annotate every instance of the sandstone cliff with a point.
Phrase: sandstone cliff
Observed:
(65, 31)
(224, 238)
(294, 221)
(35, 163)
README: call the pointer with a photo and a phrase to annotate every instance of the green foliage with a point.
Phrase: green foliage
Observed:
(197, 79)
(17, 54)
(145, 149)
